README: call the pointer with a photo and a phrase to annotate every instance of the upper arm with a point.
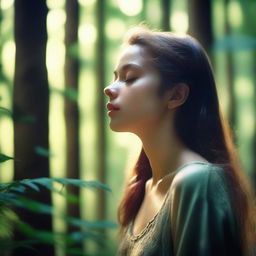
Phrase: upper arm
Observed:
(201, 214)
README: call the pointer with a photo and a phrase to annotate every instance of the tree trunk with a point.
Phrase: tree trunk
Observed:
(71, 106)
(165, 4)
(100, 107)
(232, 110)
(30, 108)
(200, 22)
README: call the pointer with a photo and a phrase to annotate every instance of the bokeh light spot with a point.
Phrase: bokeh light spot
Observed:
(52, 4)
(6, 4)
(179, 22)
(56, 18)
(87, 34)
(86, 2)
(55, 55)
(115, 28)
(235, 14)
(131, 7)
(8, 57)
(244, 87)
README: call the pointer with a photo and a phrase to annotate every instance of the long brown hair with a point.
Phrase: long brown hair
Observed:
(181, 59)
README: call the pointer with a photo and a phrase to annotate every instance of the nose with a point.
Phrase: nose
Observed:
(110, 92)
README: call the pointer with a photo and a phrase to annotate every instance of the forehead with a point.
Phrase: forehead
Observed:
(135, 54)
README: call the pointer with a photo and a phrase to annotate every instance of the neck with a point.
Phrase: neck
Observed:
(163, 149)
(166, 153)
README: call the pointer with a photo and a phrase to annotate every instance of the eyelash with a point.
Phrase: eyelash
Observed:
(130, 80)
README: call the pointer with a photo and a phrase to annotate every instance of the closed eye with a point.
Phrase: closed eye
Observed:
(130, 80)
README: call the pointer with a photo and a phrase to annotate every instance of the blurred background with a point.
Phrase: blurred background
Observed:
(57, 56)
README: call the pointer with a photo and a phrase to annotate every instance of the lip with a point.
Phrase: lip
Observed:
(111, 112)
(112, 108)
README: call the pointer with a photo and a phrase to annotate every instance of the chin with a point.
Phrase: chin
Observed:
(118, 127)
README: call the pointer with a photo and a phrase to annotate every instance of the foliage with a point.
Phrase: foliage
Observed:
(235, 43)
(4, 158)
(12, 195)
(69, 93)
(5, 112)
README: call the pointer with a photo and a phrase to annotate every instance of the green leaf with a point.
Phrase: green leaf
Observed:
(5, 112)
(45, 236)
(7, 198)
(23, 202)
(80, 235)
(43, 151)
(20, 116)
(12, 186)
(75, 251)
(73, 51)
(33, 206)
(20, 186)
(35, 235)
(70, 93)
(20, 189)
(4, 187)
(9, 244)
(82, 183)
(4, 158)
(93, 224)
(30, 184)
(45, 182)
(72, 198)
(7, 221)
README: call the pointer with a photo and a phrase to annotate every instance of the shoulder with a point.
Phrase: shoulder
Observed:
(198, 173)
(204, 178)
(201, 210)
(202, 186)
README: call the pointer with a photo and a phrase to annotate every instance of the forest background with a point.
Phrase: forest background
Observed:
(56, 57)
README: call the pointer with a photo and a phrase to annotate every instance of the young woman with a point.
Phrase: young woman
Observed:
(187, 194)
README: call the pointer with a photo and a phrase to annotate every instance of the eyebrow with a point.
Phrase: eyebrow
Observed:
(126, 66)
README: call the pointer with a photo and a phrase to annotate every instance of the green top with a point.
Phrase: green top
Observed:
(196, 218)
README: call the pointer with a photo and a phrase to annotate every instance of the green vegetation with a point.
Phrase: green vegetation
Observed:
(13, 195)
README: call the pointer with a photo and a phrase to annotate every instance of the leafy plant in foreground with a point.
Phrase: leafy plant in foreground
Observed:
(12, 195)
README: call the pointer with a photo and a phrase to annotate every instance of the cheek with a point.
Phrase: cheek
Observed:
(145, 94)
(143, 103)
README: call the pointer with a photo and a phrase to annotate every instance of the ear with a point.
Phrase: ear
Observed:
(178, 95)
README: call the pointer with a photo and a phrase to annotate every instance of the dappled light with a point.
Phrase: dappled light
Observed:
(130, 8)
(55, 4)
(179, 22)
(87, 34)
(55, 57)
(115, 29)
(55, 19)
(6, 4)
(86, 2)
(235, 14)
(8, 57)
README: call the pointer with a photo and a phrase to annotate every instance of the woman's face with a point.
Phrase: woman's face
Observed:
(134, 92)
